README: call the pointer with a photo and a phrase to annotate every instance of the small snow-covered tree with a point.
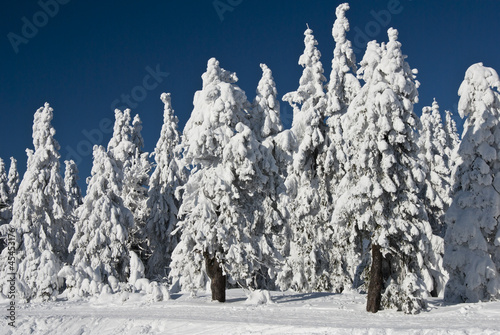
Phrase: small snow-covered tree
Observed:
(8, 185)
(5, 206)
(452, 145)
(13, 179)
(382, 202)
(265, 115)
(125, 147)
(4, 187)
(432, 146)
(306, 267)
(73, 191)
(472, 247)
(162, 204)
(101, 233)
(40, 216)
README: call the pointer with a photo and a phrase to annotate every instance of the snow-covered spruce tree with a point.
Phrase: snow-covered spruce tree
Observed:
(268, 221)
(125, 147)
(306, 268)
(452, 145)
(102, 230)
(472, 241)
(382, 202)
(39, 216)
(162, 204)
(436, 188)
(73, 191)
(5, 206)
(13, 179)
(8, 191)
(342, 87)
(215, 218)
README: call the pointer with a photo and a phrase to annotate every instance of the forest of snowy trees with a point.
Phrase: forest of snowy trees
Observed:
(359, 194)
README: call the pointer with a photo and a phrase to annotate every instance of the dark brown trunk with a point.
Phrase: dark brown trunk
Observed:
(217, 279)
(375, 286)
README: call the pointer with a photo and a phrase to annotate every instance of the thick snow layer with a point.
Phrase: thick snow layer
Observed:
(291, 313)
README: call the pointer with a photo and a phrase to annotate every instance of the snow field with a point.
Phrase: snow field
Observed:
(288, 313)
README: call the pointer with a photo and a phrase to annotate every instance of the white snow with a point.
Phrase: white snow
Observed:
(292, 313)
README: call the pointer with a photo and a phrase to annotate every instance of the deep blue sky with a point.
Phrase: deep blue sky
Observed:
(91, 53)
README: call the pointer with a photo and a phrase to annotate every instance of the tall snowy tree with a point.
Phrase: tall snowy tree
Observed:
(382, 202)
(101, 233)
(306, 267)
(125, 147)
(433, 155)
(472, 241)
(39, 215)
(73, 191)
(268, 221)
(215, 215)
(162, 204)
(342, 87)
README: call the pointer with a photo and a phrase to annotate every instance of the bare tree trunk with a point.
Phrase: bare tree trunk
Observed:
(376, 281)
(217, 279)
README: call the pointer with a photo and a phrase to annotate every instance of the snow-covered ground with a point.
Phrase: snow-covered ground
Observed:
(289, 313)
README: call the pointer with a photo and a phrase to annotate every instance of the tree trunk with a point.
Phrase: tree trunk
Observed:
(375, 286)
(217, 279)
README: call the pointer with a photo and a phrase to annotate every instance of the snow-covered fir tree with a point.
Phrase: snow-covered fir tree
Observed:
(13, 179)
(162, 204)
(306, 266)
(9, 185)
(5, 206)
(341, 90)
(4, 187)
(265, 116)
(40, 216)
(472, 248)
(101, 234)
(268, 222)
(216, 214)
(432, 146)
(381, 203)
(125, 147)
(452, 144)
(73, 191)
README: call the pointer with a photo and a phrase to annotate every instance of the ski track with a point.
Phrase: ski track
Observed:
(292, 313)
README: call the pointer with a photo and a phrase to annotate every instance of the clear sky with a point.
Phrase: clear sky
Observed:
(87, 57)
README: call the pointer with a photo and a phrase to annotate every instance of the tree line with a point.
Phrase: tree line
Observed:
(359, 194)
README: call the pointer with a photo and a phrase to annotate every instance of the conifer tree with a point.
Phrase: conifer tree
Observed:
(216, 214)
(125, 147)
(102, 231)
(73, 191)
(5, 206)
(471, 241)
(13, 179)
(40, 216)
(162, 204)
(382, 202)
(432, 147)
(306, 267)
